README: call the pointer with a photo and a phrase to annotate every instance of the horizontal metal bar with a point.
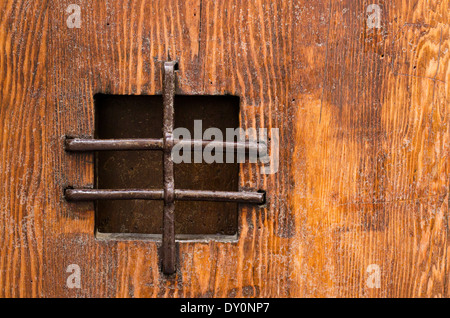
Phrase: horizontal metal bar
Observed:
(94, 194)
(112, 144)
(244, 146)
(180, 195)
(78, 144)
(221, 196)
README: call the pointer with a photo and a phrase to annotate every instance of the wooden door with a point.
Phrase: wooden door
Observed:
(359, 91)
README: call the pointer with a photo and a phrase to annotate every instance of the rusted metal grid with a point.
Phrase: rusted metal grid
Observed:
(169, 194)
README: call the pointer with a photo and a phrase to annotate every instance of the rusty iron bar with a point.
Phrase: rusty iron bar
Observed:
(246, 147)
(168, 236)
(79, 144)
(220, 196)
(180, 195)
(126, 194)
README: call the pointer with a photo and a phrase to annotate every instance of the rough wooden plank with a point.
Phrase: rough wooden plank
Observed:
(375, 147)
(364, 127)
(23, 52)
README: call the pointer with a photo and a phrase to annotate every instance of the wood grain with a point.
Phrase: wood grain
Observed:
(364, 126)
(23, 198)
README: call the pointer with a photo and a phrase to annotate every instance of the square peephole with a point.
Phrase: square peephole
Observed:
(121, 116)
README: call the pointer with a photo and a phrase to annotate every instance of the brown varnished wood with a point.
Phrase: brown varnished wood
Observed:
(364, 127)
(23, 168)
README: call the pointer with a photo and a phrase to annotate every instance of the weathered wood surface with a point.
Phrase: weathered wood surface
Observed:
(364, 127)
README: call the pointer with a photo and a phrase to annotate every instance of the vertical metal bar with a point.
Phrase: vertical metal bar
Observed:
(168, 238)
